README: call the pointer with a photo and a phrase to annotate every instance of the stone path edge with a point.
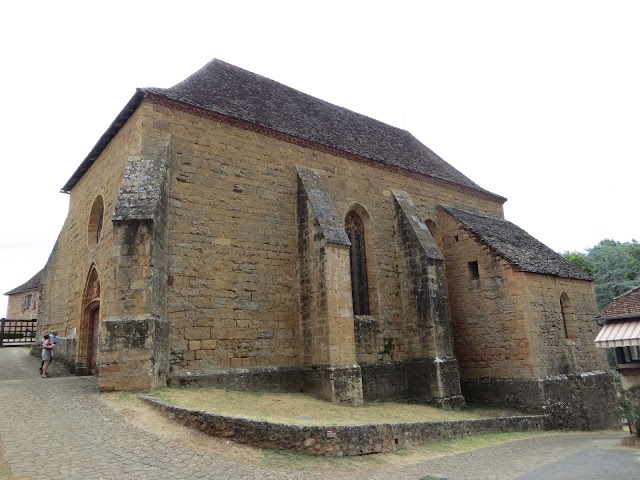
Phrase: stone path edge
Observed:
(340, 440)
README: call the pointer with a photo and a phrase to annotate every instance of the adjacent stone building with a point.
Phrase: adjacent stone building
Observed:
(620, 330)
(23, 301)
(233, 231)
(20, 325)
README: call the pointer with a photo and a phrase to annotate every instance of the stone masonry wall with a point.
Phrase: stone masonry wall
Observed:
(134, 341)
(509, 324)
(577, 401)
(66, 272)
(23, 305)
(553, 352)
(427, 329)
(511, 342)
(489, 330)
(326, 315)
(232, 240)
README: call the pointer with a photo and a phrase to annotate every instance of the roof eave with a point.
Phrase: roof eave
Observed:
(142, 93)
(193, 107)
(20, 290)
(626, 316)
(587, 278)
(105, 139)
(515, 266)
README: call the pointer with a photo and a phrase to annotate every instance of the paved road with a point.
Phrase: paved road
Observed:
(60, 428)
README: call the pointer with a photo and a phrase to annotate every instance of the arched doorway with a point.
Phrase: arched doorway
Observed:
(90, 324)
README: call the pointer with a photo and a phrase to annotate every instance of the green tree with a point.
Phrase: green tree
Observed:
(581, 260)
(614, 265)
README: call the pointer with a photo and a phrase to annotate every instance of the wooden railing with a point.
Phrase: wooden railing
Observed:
(17, 332)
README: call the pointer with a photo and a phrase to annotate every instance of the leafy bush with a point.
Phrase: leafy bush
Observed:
(630, 407)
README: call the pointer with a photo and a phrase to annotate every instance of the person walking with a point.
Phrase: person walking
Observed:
(47, 348)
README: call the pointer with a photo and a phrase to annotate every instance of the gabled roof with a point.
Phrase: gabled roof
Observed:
(32, 284)
(230, 91)
(517, 247)
(625, 305)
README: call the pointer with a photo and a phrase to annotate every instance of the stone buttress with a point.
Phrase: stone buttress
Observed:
(432, 369)
(134, 338)
(326, 314)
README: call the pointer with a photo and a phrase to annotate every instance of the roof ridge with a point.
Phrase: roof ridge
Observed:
(628, 292)
(222, 88)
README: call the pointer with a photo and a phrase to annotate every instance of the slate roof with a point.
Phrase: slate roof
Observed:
(625, 305)
(510, 242)
(227, 90)
(32, 284)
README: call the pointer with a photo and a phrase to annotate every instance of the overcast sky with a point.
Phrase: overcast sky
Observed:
(537, 101)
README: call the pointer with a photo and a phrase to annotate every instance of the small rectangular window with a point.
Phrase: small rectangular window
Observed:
(628, 355)
(474, 272)
(26, 302)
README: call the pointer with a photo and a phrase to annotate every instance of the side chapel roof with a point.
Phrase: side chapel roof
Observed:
(625, 305)
(230, 91)
(513, 244)
(32, 284)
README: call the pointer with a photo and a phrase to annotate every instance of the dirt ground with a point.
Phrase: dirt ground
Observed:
(146, 418)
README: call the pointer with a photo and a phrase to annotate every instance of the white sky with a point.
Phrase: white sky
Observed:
(538, 101)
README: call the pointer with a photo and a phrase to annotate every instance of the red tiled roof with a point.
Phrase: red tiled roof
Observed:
(624, 305)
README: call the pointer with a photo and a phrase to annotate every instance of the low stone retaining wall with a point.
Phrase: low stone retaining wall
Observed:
(342, 440)
(578, 401)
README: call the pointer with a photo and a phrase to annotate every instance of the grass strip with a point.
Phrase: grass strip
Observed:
(305, 409)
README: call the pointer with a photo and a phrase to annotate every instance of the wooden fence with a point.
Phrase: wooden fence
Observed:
(17, 332)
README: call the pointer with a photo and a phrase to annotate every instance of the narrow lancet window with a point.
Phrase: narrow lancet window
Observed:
(359, 285)
(96, 218)
(568, 318)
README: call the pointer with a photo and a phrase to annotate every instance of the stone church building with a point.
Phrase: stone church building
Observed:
(233, 231)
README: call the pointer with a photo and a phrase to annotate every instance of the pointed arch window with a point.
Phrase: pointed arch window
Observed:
(358, 263)
(568, 318)
(96, 219)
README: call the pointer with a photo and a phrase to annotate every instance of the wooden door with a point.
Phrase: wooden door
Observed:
(95, 331)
